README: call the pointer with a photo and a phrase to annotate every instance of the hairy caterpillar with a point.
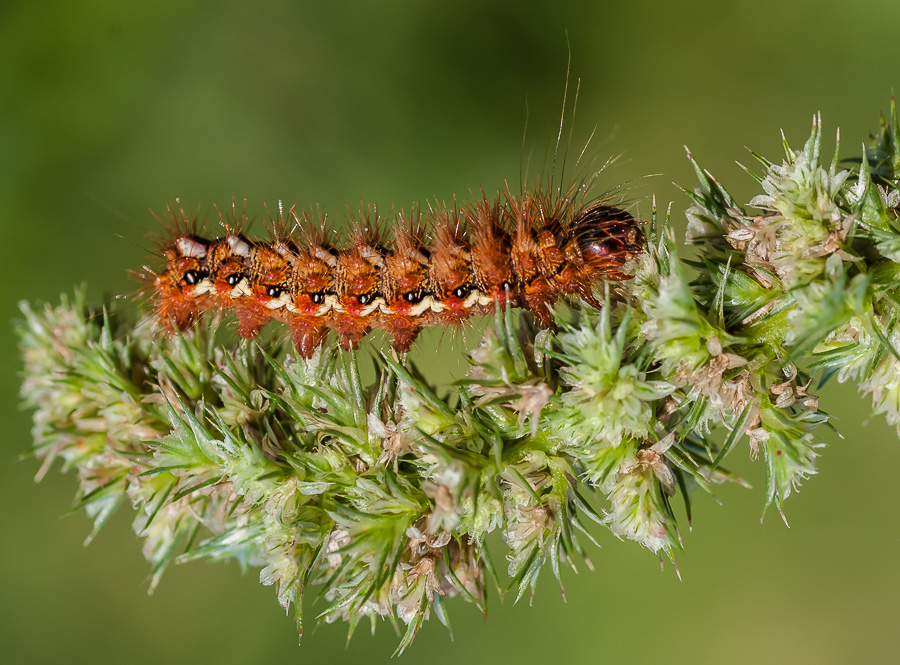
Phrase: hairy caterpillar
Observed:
(441, 267)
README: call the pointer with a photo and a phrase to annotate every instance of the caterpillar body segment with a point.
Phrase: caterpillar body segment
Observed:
(440, 267)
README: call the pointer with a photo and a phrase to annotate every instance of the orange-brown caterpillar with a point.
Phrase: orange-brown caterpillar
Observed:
(442, 267)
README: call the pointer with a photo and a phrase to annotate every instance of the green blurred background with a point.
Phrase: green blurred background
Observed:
(110, 108)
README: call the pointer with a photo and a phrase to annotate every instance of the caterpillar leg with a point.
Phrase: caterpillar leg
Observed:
(251, 317)
(307, 336)
(404, 336)
(538, 298)
(540, 307)
(351, 329)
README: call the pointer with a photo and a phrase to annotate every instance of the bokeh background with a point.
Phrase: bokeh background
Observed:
(108, 109)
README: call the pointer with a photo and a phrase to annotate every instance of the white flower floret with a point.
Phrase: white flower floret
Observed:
(609, 400)
(884, 385)
(675, 328)
(637, 510)
(810, 225)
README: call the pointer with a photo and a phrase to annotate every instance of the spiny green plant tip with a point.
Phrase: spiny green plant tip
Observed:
(381, 498)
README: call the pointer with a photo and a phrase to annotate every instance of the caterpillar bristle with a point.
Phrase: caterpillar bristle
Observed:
(176, 223)
(490, 247)
(278, 225)
(366, 227)
(405, 281)
(400, 273)
(234, 222)
(312, 227)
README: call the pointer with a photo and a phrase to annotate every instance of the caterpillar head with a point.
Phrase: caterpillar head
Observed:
(607, 237)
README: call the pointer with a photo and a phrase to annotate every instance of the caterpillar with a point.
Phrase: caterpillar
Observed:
(441, 266)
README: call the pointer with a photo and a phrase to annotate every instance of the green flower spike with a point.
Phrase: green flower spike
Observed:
(391, 499)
